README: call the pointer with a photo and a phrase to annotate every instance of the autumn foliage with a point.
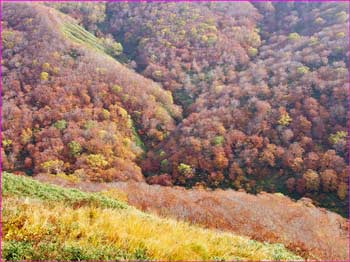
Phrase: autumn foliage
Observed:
(265, 112)
(250, 96)
(68, 109)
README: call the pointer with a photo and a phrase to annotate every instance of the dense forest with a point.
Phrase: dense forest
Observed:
(227, 115)
(250, 96)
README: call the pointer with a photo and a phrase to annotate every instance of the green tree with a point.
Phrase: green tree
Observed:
(75, 148)
(302, 70)
(219, 140)
(185, 170)
(293, 36)
(60, 124)
(112, 48)
(164, 164)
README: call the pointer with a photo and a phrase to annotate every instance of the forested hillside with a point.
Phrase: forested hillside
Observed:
(69, 106)
(263, 91)
(262, 87)
(207, 96)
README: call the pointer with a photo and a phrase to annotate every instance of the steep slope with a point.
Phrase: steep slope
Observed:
(40, 223)
(68, 105)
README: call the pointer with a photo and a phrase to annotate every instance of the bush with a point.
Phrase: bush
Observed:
(117, 89)
(101, 219)
(90, 124)
(53, 166)
(60, 124)
(285, 119)
(219, 140)
(96, 161)
(111, 47)
(293, 36)
(164, 164)
(338, 137)
(252, 52)
(185, 170)
(6, 143)
(44, 76)
(46, 66)
(75, 148)
(302, 70)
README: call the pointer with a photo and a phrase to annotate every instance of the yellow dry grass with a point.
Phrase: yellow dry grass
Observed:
(91, 227)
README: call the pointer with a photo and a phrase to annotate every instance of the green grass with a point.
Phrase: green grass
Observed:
(26, 187)
(19, 250)
(79, 35)
(42, 222)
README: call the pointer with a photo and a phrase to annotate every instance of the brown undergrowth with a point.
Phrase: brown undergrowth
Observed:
(310, 231)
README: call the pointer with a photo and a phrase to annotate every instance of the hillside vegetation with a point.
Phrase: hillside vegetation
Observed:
(49, 222)
(265, 101)
(74, 108)
(275, 94)
(307, 230)
(229, 115)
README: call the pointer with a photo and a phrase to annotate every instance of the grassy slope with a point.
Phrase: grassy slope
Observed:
(81, 36)
(43, 221)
